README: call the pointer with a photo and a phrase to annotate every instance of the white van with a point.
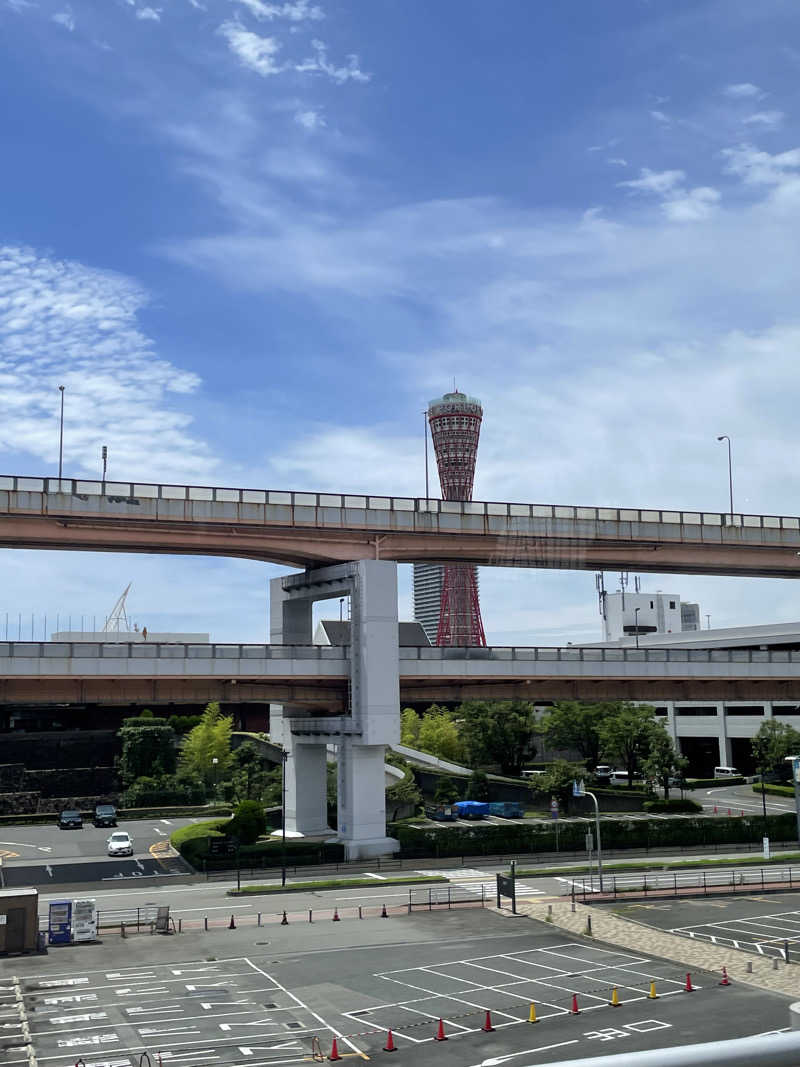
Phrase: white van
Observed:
(726, 772)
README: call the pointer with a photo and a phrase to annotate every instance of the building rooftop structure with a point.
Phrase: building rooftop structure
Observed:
(334, 632)
(777, 635)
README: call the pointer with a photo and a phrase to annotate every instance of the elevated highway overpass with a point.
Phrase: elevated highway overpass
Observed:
(316, 678)
(316, 529)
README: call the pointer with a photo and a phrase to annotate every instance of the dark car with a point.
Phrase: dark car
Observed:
(105, 815)
(70, 820)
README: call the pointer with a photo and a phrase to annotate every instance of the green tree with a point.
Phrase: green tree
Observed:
(447, 791)
(501, 732)
(557, 780)
(660, 762)
(626, 735)
(438, 734)
(772, 744)
(248, 774)
(478, 787)
(210, 740)
(402, 792)
(409, 727)
(249, 822)
(572, 724)
(148, 748)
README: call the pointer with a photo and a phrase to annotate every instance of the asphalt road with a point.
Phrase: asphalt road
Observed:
(27, 843)
(740, 798)
(232, 998)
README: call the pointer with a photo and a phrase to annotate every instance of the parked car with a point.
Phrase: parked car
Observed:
(105, 815)
(602, 772)
(70, 820)
(726, 772)
(120, 844)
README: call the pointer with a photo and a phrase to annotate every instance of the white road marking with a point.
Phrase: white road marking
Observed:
(86, 1018)
(380, 877)
(248, 1051)
(495, 1061)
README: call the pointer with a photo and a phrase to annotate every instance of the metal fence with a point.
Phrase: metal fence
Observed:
(685, 883)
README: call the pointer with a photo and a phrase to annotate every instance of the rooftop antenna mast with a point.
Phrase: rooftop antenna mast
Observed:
(117, 622)
(601, 593)
(623, 581)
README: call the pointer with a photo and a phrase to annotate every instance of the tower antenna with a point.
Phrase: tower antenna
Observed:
(117, 621)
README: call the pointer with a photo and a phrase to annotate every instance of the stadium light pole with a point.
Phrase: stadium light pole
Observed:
(724, 437)
(61, 438)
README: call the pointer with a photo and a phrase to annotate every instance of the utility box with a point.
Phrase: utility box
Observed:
(19, 921)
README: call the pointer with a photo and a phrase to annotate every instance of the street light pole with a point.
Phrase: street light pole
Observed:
(636, 622)
(427, 485)
(61, 438)
(724, 437)
(580, 791)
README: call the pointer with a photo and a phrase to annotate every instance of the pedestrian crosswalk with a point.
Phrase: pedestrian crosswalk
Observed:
(471, 881)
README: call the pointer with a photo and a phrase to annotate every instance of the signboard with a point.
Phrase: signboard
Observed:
(765, 843)
(589, 841)
(84, 920)
(796, 769)
(162, 919)
(554, 808)
(59, 922)
(506, 887)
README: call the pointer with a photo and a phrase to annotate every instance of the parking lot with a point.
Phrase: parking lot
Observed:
(250, 997)
(762, 925)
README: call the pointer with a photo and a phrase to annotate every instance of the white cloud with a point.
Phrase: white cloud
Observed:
(258, 54)
(757, 167)
(294, 11)
(769, 120)
(319, 63)
(309, 119)
(617, 161)
(65, 18)
(254, 52)
(657, 182)
(62, 323)
(691, 206)
(743, 91)
(148, 14)
(659, 116)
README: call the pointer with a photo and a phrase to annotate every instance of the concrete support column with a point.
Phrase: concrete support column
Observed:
(306, 788)
(362, 800)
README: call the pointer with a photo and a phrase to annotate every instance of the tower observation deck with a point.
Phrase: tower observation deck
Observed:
(455, 423)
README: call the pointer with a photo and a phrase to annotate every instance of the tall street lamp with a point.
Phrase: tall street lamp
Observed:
(284, 758)
(724, 437)
(61, 438)
(578, 790)
(214, 764)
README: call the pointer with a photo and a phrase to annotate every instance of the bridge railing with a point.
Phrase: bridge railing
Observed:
(518, 654)
(137, 493)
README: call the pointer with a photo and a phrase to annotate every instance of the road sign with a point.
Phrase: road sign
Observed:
(554, 808)
(589, 841)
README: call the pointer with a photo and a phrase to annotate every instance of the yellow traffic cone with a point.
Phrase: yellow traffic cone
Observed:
(532, 1014)
(614, 1002)
(652, 995)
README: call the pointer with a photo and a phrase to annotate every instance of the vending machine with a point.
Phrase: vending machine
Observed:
(84, 920)
(59, 922)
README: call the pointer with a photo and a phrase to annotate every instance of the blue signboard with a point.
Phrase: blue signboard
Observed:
(59, 922)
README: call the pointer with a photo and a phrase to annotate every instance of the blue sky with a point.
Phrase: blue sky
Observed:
(254, 237)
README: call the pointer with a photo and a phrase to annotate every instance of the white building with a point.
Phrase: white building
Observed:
(627, 614)
(428, 581)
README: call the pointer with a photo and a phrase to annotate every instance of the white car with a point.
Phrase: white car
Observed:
(120, 844)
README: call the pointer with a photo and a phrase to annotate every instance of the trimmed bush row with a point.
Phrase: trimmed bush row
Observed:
(618, 834)
(193, 844)
(709, 783)
(672, 805)
(776, 790)
(42, 818)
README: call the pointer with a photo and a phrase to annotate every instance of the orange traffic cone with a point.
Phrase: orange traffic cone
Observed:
(575, 1010)
(725, 979)
(284, 920)
(334, 1051)
(336, 918)
(688, 988)
(487, 1026)
(231, 924)
(390, 1045)
(440, 1034)
(384, 913)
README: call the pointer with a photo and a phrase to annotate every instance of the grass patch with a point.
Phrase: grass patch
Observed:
(333, 883)
(774, 790)
(678, 865)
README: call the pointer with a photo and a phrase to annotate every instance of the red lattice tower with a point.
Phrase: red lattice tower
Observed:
(455, 422)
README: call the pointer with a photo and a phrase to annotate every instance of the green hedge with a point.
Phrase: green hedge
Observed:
(776, 790)
(333, 883)
(619, 833)
(672, 805)
(41, 818)
(192, 843)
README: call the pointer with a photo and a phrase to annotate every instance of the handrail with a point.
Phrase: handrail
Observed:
(135, 493)
(541, 653)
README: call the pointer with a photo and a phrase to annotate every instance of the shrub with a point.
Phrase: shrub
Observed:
(775, 790)
(248, 823)
(672, 805)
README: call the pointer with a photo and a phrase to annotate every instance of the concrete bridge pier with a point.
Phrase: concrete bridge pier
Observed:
(372, 719)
